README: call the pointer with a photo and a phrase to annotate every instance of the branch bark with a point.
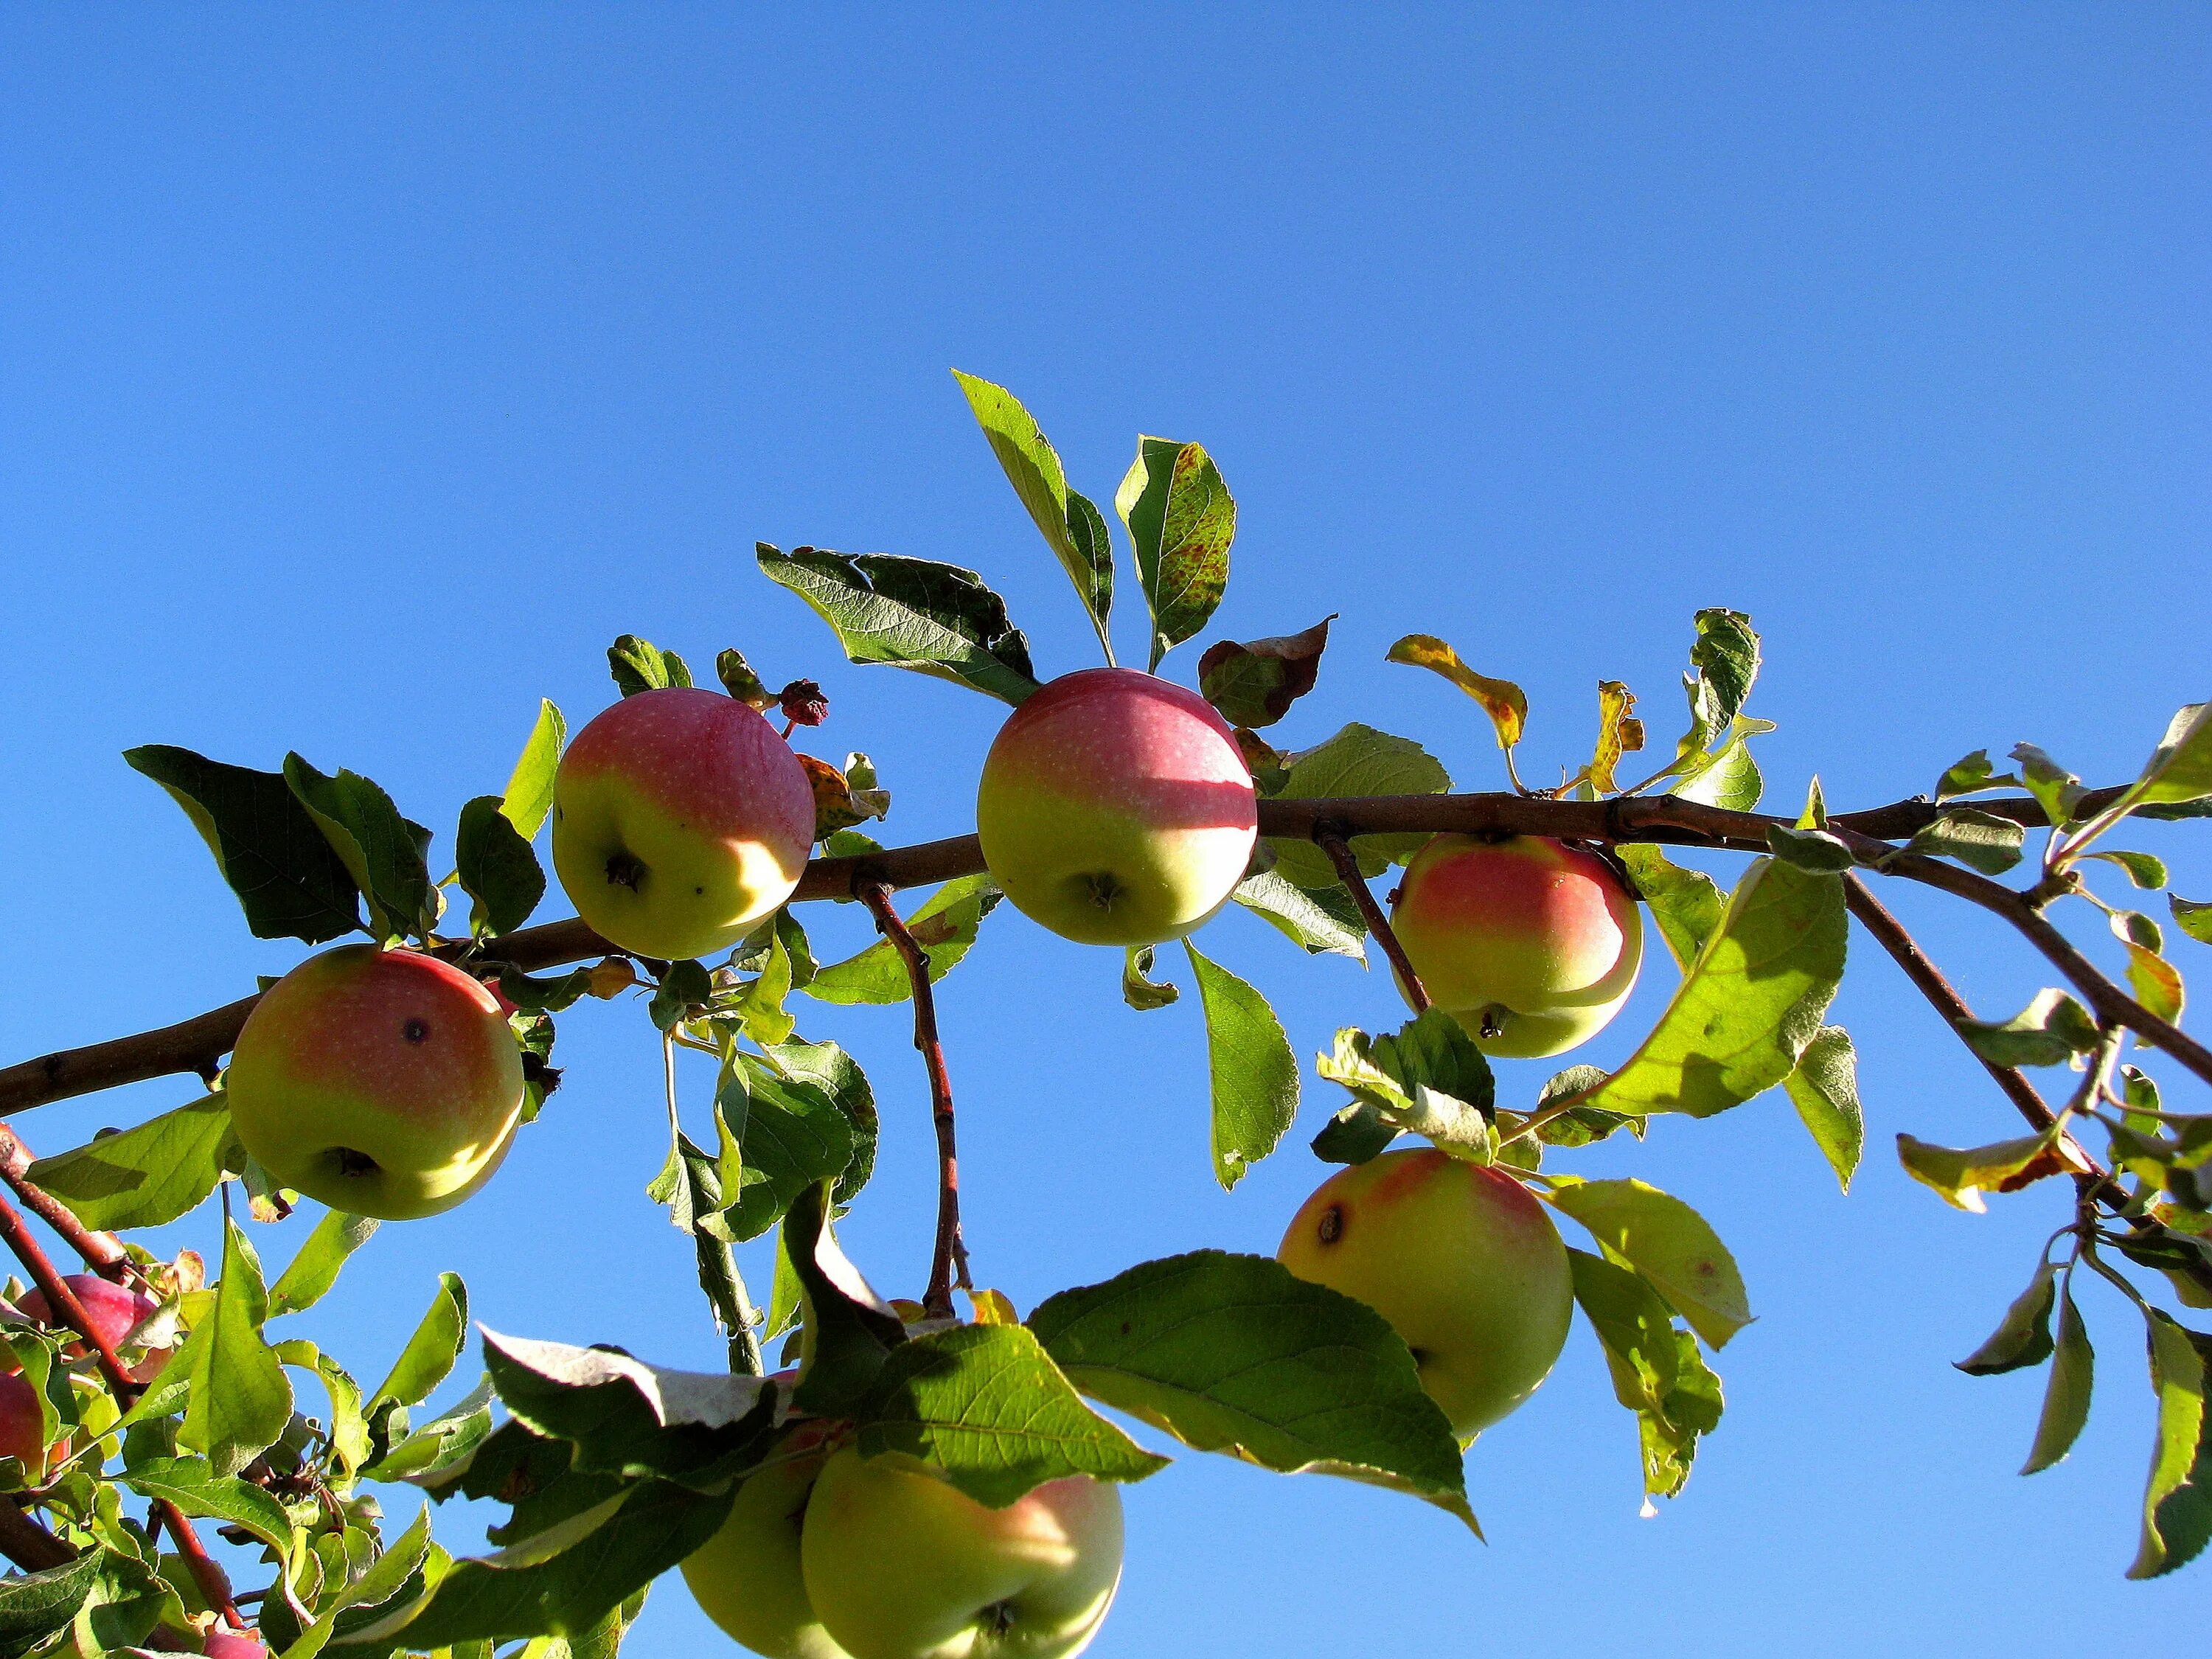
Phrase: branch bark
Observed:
(199, 1043)
(101, 1252)
(949, 1261)
(1348, 870)
(26, 1543)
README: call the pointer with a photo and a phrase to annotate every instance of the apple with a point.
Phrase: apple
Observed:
(680, 819)
(233, 1645)
(115, 1312)
(1114, 808)
(1531, 944)
(747, 1577)
(901, 1564)
(383, 1083)
(22, 1434)
(1461, 1259)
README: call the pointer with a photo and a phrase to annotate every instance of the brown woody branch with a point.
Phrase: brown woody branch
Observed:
(949, 1259)
(2096, 1184)
(101, 1252)
(61, 1301)
(26, 1543)
(1348, 870)
(198, 1044)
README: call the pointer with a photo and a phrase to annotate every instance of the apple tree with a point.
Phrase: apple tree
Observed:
(895, 1477)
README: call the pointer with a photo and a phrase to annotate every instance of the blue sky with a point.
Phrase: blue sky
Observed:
(364, 371)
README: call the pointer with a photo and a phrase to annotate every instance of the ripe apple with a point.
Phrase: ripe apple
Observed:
(747, 1577)
(233, 1645)
(1460, 1260)
(1532, 945)
(115, 1311)
(901, 1564)
(680, 818)
(1114, 808)
(21, 1432)
(384, 1082)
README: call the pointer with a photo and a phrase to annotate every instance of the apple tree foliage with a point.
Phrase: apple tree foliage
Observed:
(615, 1468)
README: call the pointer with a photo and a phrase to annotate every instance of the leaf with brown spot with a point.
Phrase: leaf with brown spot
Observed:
(837, 805)
(1181, 519)
(1618, 733)
(1255, 682)
(1506, 704)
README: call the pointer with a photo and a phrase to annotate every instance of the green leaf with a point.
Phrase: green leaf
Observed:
(1748, 1004)
(1971, 776)
(628, 1419)
(640, 665)
(543, 995)
(384, 853)
(315, 1269)
(1321, 920)
(427, 1358)
(2066, 1397)
(2050, 1032)
(498, 870)
(1809, 849)
(2022, 1337)
(528, 798)
(1356, 1134)
(1254, 683)
(2180, 768)
(239, 1398)
(2155, 981)
(1669, 1243)
(395, 1572)
(1656, 1371)
(789, 1134)
(828, 1068)
(2057, 790)
(2178, 1501)
(564, 1582)
(985, 1404)
(349, 1436)
(1032, 466)
(146, 1176)
(1686, 904)
(945, 926)
(35, 1605)
(739, 680)
(288, 880)
(1429, 1079)
(1181, 521)
(1726, 657)
(2192, 917)
(1962, 1176)
(935, 618)
(847, 1330)
(1727, 777)
(1824, 1089)
(1978, 840)
(193, 1486)
(1234, 1354)
(1357, 761)
(1506, 703)
(2146, 870)
(1254, 1074)
(1138, 989)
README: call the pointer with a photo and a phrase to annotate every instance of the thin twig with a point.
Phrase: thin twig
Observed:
(2096, 1182)
(62, 1302)
(949, 1261)
(101, 1252)
(1332, 841)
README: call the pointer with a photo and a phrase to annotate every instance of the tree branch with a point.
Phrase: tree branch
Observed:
(101, 1252)
(949, 1261)
(26, 1543)
(1348, 870)
(199, 1043)
(2097, 1185)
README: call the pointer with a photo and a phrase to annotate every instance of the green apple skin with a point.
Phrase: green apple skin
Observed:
(680, 819)
(1463, 1262)
(383, 1083)
(1532, 945)
(747, 1577)
(901, 1564)
(1114, 808)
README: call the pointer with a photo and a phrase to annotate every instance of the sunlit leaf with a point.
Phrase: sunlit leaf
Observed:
(1506, 704)
(1180, 520)
(1669, 1243)
(1255, 1073)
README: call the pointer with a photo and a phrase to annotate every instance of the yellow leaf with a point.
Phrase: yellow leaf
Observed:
(1506, 704)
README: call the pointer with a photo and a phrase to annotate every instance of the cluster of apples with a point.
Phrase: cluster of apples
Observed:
(1114, 808)
(827, 1555)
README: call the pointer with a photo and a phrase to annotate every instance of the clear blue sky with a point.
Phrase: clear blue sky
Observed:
(364, 371)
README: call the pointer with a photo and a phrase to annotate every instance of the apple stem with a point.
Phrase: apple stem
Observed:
(207, 1573)
(1330, 839)
(949, 1262)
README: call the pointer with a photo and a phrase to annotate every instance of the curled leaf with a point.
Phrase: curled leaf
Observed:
(1506, 704)
(1255, 682)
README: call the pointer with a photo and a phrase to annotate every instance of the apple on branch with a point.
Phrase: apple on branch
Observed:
(680, 818)
(383, 1083)
(1461, 1259)
(1531, 944)
(115, 1311)
(1115, 809)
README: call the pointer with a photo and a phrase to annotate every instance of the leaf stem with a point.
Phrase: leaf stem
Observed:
(949, 1261)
